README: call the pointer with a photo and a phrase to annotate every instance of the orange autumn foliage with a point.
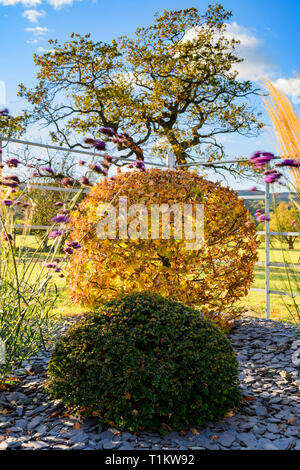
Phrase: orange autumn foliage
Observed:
(212, 278)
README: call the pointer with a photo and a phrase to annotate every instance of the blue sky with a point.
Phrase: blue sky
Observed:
(268, 30)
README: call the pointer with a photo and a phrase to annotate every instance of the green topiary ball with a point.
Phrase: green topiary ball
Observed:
(144, 362)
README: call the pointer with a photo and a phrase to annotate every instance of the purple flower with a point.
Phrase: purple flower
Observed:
(81, 162)
(254, 188)
(7, 237)
(54, 234)
(68, 249)
(272, 177)
(57, 270)
(97, 168)
(140, 165)
(9, 182)
(48, 169)
(7, 202)
(99, 145)
(59, 204)
(259, 159)
(75, 245)
(262, 218)
(4, 112)
(107, 131)
(13, 162)
(50, 265)
(289, 162)
(89, 140)
(67, 181)
(85, 181)
(60, 218)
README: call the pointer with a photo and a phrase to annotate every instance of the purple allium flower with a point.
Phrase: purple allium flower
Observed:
(59, 204)
(60, 218)
(54, 234)
(107, 131)
(68, 249)
(99, 145)
(57, 270)
(13, 162)
(289, 162)
(81, 162)
(7, 202)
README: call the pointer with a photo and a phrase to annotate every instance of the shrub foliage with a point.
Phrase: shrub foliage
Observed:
(213, 277)
(142, 361)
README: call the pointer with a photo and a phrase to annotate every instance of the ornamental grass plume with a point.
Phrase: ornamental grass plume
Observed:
(287, 127)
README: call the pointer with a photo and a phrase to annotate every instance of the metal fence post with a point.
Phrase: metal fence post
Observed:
(170, 161)
(267, 250)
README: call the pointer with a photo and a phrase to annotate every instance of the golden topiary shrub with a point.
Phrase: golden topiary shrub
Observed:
(212, 278)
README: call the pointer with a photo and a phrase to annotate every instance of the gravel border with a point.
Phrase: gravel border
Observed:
(268, 418)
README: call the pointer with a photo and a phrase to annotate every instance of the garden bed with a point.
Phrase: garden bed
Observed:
(268, 418)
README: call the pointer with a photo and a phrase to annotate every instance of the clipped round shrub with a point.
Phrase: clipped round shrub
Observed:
(145, 362)
(214, 276)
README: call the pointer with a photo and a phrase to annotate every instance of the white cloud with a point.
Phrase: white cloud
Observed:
(255, 65)
(32, 41)
(58, 4)
(25, 3)
(37, 30)
(289, 86)
(42, 50)
(33, 15)
(242, 34)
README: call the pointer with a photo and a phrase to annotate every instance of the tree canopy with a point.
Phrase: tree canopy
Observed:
(173, 86)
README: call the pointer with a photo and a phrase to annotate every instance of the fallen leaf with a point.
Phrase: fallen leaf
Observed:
(214, 437)
(127, 396)
(248, 399)
(289, 421)
(76, 426)
(194, 431)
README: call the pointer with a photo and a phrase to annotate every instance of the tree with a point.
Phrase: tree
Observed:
(282, 221)
(172, 87)
(212, 277)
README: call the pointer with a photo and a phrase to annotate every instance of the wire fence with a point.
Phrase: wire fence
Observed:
(170, 164)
